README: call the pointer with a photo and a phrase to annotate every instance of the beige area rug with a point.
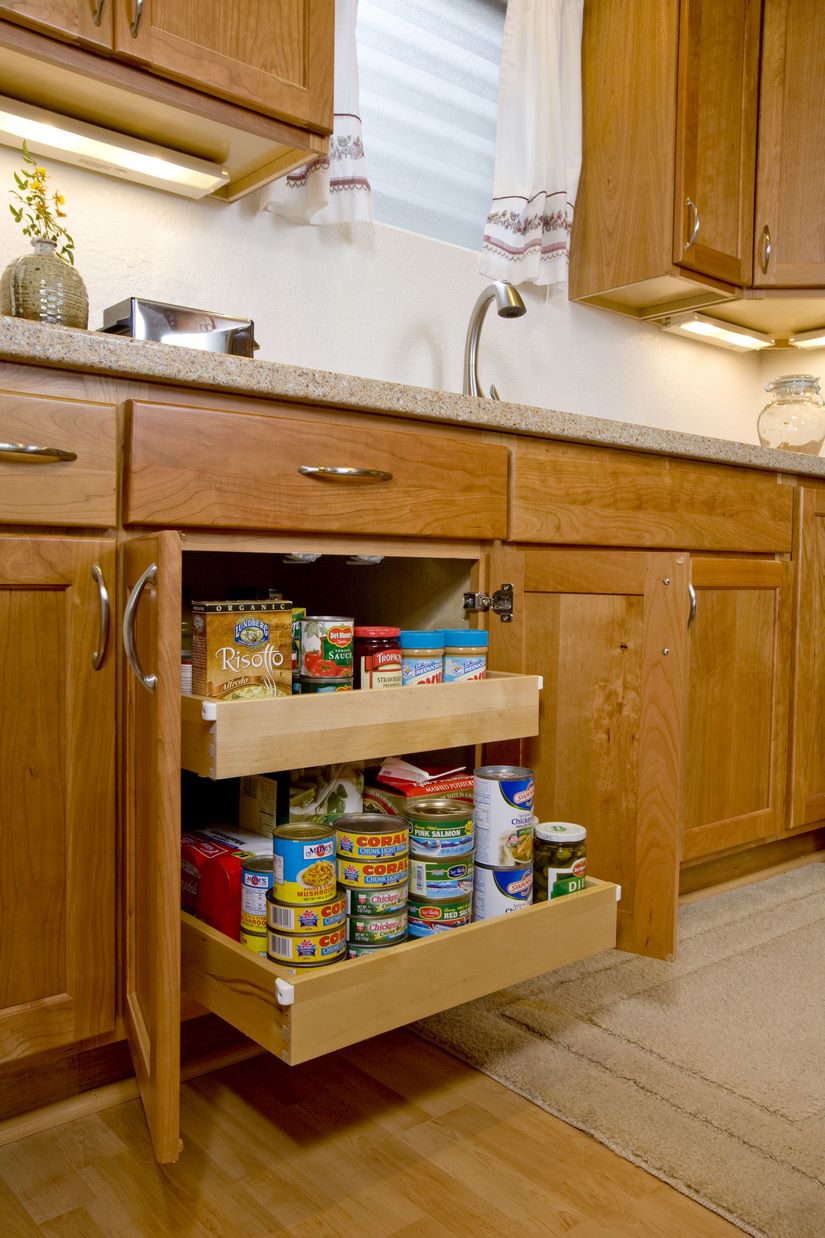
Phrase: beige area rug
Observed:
(708, 1072)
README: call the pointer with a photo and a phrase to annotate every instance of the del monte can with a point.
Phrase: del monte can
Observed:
(326, 647)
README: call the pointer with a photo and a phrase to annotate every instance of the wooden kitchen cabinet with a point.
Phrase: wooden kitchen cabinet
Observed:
(81, 20)
(57, 824)
(807, 765)
(675, 209)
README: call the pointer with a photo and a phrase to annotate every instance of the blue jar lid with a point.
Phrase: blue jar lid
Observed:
(421, 640)
(455, 637)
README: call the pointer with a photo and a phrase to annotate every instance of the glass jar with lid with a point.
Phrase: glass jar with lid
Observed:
(794, 417)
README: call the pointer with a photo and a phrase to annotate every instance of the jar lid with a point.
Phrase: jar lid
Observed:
(463, 637)
(372, 632)
(422, 640)
(560, 831)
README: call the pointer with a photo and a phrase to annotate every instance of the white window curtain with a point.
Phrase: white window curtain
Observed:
(538, 143)
(334, 188)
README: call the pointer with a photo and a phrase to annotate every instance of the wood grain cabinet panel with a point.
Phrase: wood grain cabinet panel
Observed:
(42, 489)
(807, 782)
(83, 21)
(57, 823)
(190, 468)
(271, 55)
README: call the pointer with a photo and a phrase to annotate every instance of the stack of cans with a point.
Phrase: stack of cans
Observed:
(256, 884)
(441, 864)
(305, 910)
(372, 868)
(503, 820)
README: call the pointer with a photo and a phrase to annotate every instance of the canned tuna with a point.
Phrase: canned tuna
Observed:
(306, 949)
(303, 860)
(503, 815)
(372, 874)
(285, 918)
(371, 836)
(501, 890)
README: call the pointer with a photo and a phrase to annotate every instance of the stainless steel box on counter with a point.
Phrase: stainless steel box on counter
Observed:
(178, 324)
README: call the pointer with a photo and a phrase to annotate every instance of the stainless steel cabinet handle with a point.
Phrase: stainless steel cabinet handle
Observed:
(137, 13)
(103, 637)
(149, 577)
(97, 15)
(694, 232)
(318, 470)
(692, 611)
(767, 249)
(32, 449)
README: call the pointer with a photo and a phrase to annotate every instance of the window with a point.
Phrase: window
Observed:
(428, 74)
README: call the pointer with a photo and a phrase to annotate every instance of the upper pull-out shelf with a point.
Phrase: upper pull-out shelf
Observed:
(228, 739)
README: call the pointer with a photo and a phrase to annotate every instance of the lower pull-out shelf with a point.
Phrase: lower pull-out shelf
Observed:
(326, 1008)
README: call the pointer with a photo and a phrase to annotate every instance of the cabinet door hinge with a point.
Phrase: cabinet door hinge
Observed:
(501, 603)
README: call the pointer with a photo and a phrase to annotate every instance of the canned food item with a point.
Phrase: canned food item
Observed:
(254, 941)
(371, 836)
(306, 949)
(303, 863)
(372, 874)
(377, 930)
(439, 827)
(442, 878)
(286, 918)
(256, 878)
(309, 687)
(326, 647)
(503, 815)
(560, 859)
(500, 890)
(429, 915)
(376, 902)
(356, 950)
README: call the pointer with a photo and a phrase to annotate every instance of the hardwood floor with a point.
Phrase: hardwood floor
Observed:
(390, 1138)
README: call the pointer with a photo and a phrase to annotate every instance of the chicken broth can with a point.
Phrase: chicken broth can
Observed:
(306, 949)
(439, 827)
(371, 836)
(303, 864)
(444, 878)
(500, 890)
(317, 918)
(503, 815)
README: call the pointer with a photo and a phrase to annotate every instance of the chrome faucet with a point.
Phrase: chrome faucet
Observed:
(509, 305)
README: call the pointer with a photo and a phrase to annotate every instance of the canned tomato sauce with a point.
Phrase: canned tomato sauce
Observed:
(503, 815)
(285, 918)
(501, 890)
(443, 878)
(377, 930)
(372, 874)
(306, 949)
(326, 647)
(371, 836)
(303, 864)
(439, 827)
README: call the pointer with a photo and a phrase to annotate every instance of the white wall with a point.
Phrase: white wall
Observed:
(389, 305)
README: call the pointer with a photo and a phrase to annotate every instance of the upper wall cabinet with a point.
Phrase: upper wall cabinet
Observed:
(677, 208)
(247, 86)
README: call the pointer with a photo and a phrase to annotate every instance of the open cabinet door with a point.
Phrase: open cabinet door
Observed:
(151, 816)
(607, 629)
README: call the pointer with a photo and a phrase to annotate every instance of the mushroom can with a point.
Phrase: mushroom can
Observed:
(498, 891)
(303, 863)
(256, 881)
(503, 815)
(306, 949)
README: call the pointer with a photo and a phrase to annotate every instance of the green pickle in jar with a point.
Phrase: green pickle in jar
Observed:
(559, 859)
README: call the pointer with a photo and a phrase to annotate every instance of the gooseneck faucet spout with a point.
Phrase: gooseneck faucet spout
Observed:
(508, 305)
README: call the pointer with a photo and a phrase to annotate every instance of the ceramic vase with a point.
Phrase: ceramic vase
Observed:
(44, 287)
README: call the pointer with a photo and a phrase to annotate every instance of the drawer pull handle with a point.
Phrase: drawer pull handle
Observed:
(694, 232)
(321, 471)
(692, 611)
(137, 13)
(767, 249)
(103, 637)
(97, 15)
(149, 577)
(32, 449)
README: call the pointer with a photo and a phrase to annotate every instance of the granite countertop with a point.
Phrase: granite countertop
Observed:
(63, 347)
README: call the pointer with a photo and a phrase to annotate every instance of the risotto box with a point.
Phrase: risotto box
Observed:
(242, 650)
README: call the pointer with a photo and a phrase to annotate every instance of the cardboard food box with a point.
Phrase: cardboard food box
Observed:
(389, 794)
(242, 650)
(199, 847)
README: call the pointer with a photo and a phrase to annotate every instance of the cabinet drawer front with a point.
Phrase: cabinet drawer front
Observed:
(575, 494)
(346, 1002)
(195, 468)
(42, 489)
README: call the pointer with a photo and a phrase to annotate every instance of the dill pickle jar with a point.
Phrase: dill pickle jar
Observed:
(559, 859)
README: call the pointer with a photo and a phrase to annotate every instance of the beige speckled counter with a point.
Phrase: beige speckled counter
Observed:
(87, 351)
